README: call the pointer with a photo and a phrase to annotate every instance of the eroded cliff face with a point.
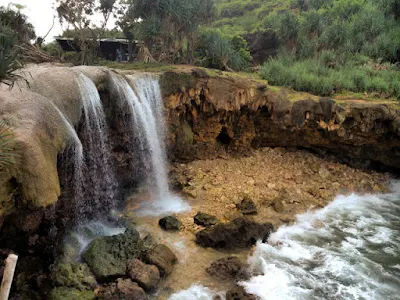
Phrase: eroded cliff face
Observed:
(209, 113)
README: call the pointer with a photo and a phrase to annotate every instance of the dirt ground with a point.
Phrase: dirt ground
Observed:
(281, 183)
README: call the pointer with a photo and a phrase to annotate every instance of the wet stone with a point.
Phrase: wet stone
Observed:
(170, 223)
(205, 220)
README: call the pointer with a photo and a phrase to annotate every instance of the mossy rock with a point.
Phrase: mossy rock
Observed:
(107, 256)
(64, 293)
(71, 249)
(174, 82)
(74, 275)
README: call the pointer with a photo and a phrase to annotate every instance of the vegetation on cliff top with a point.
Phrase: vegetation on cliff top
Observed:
(325, 46)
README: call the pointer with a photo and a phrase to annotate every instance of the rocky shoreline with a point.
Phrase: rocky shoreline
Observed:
(268, 185)
(218, 128)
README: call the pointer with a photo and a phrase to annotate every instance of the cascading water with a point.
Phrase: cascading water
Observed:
(76, 153)
(146, 109)
(99, 175)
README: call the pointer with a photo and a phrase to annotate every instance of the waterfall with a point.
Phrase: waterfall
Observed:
(76, 153)
(98, 174)
(146, 110)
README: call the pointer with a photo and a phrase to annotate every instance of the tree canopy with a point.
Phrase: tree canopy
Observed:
(13, 18)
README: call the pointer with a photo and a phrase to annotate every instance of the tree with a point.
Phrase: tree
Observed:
(14, 19)
(165, 25)
(9, 62)
(223, 52)
(78, 13)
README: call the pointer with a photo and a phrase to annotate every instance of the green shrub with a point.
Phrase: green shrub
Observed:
(9, 62)
(220, 51)
(320, 77)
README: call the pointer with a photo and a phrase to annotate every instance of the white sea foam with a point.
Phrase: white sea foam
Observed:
(347, 250)
(197, 292)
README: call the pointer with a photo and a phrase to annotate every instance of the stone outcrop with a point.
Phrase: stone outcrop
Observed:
(147, 276)
(170, 223)
(122, 289)
(41, 114)
(226, 268)
(207, 114)
(240, 233)
(205, 220)
(108, 256)
(162, 257)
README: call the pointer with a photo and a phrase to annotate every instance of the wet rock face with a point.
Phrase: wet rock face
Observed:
(240, 233)
(64, 293)
(238, 293)
(205, 220)
(170, 223)
(226, 268)
(122, 289)
(147, 276)
(107, 256)
(77, 276)
(162, 257)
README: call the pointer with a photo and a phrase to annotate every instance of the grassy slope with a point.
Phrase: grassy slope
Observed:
(244, 16)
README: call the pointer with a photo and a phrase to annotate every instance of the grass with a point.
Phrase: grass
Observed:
(315, 77)
(148, 67)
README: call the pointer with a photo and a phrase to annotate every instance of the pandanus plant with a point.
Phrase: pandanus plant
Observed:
(7, 143)
(9, 62)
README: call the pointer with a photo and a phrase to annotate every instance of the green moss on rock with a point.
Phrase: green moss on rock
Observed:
(174, 82)
(64, 293)
(74, 275)
(107, 256)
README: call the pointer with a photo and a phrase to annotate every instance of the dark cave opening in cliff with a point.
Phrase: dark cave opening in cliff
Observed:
(224, 137)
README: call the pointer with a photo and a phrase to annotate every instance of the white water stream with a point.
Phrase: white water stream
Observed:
(147, 119)
(99, 175)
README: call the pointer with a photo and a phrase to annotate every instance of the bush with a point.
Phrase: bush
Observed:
(219, 51)
(9, 62)
(327, 75)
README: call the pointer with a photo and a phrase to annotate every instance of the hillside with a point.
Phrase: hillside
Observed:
(246, 16)
(322, 47)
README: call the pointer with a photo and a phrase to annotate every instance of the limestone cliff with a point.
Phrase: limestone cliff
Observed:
(41, 115)
(206, 113)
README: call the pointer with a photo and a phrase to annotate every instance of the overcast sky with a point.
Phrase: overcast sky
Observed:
(40, 14)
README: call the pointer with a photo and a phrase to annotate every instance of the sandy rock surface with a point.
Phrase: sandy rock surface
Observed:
(282, 184)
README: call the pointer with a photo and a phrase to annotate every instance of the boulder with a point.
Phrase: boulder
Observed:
(162, 257)
(239, 293)
(240, 233)
(226, 268)
(123, 289)
(108, 256)
(147, 276)
(205, 220)
(170, 223)
(247, 207)
(65, 293)
(278, 205)
(74, 275)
